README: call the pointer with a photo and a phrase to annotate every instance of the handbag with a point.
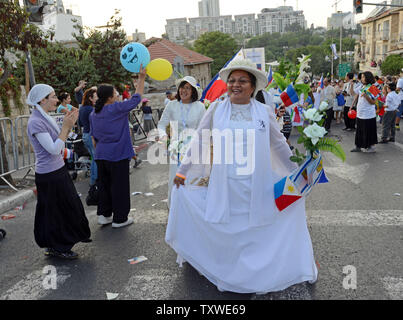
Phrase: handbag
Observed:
(93, 196)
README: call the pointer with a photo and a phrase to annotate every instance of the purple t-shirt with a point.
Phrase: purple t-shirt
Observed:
(110, 129)
(45, 162)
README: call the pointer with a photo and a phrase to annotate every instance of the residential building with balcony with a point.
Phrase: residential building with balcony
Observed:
(382, 35)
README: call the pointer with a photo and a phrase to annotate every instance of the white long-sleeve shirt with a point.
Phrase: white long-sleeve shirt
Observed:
(185, 115)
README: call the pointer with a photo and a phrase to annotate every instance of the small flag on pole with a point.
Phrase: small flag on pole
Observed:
(270, 77)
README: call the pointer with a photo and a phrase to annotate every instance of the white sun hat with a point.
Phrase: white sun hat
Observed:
(193, 82)
(248, 66)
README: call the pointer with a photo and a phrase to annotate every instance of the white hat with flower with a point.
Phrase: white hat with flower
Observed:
(248, 66)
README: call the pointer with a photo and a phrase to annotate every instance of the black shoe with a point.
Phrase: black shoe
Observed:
(2, 234)
(383, 141)
(356, 150)
(87, 240)
(345, 129)
(391, 140)
(68, 255)
(137, 162)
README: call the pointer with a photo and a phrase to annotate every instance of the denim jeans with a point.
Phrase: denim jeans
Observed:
(90, 147)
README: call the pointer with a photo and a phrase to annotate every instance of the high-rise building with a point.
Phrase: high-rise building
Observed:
(341, 19)
(209, 8)
(268, 21)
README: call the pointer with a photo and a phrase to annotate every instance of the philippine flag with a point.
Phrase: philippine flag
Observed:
(289, 96)
(216, 88)
(285, 193)
(270, 77)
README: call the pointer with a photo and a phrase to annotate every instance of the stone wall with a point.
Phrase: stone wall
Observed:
(15, 112)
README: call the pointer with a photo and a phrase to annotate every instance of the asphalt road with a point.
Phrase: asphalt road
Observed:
(355, 221)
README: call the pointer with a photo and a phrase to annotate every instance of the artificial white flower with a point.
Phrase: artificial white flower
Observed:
(301, 77)
(313, 115)
(315, 132)
(323, 106)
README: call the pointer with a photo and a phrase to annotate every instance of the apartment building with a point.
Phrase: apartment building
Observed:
(269, 20)
(382, 35)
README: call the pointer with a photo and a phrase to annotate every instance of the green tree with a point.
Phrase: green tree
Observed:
(392, 65)
(218, 46)
(104, 49)
(16, 34)
(68, 67)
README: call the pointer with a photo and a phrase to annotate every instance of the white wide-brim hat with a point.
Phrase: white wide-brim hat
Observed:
(193, 82)
(248, 66)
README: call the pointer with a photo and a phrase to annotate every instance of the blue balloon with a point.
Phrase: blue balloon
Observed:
(133, 55)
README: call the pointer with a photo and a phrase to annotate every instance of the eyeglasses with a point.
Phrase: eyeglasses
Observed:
(242, 82)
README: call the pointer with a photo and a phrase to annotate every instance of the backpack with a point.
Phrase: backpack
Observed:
(93, 196)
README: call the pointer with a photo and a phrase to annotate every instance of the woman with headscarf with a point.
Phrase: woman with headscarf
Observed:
(109, 128)
(183, 115)
(223, 219)
(60, 220)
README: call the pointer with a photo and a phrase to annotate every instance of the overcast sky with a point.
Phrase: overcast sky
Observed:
(150, 16)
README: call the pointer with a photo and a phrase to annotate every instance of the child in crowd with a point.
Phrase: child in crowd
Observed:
(282, 112)
(148, 115)
(388, 122)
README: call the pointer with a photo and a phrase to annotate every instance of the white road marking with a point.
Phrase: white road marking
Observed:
(354, 174)
(362, 218)
(32, 288)
(394, 287)
(158, 286)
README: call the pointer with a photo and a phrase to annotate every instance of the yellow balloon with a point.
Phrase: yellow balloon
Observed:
(159, 69)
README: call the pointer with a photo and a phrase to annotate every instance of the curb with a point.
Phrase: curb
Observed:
(17, 199)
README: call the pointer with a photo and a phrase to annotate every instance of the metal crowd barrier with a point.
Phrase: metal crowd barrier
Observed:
(8, 162)
(16, 152)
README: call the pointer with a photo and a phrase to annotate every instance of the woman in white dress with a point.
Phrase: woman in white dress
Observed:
(223, 219)
(182, 115)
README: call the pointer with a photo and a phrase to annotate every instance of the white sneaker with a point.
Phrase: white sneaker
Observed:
(129, 221)
(371, 150)
(104, 220)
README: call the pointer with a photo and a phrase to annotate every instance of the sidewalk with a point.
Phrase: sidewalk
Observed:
(11, 199)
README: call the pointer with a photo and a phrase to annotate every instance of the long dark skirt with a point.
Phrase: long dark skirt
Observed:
(365, 134)
(60, 220)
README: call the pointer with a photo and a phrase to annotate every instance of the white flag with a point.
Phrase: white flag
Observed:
(333, 46)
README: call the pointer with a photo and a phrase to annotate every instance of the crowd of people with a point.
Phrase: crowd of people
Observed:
(222, 216)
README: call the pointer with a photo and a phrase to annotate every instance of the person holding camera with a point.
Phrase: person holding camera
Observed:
(60, 220)
(79, 91)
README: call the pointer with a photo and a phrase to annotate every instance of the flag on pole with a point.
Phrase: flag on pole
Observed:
(322, 85)
(217, 87)
(270, 77)
(333, 46)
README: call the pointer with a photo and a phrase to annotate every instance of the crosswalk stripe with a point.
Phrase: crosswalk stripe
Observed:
(32, 286)
(370, 218)
(394, 287)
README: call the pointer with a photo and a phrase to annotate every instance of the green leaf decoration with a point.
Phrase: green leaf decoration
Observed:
(330, 145)
(302, 88)
(272, 85)
(281, 82)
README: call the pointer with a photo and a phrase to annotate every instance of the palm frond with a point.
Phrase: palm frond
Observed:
(329, 145)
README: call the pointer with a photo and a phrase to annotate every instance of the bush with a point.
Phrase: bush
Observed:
(392, 65)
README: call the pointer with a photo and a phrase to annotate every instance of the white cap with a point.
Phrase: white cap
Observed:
(37, 93)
